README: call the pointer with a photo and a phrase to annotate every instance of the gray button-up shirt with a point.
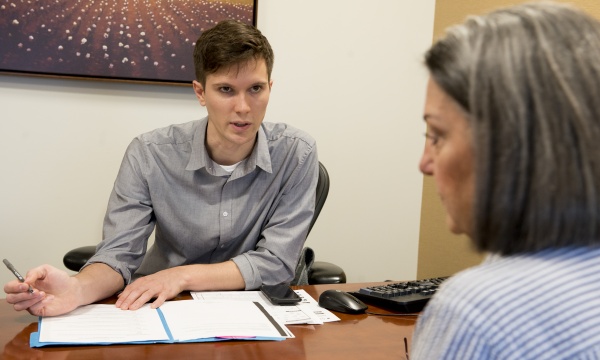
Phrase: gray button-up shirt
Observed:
(258, 216)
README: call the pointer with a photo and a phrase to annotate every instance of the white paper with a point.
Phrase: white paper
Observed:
(103, 324)
(307, 311)
(312, 306)
(189, 319)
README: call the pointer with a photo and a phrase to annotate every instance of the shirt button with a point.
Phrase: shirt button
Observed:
(225, 213)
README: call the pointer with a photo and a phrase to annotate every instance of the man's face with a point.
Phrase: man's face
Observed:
(236, 100)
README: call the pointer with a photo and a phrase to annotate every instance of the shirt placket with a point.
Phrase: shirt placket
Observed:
(226, 215)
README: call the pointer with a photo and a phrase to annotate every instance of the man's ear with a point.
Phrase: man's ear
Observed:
(199, 91)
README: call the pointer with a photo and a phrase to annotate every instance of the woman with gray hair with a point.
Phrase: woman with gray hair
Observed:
(513, 144)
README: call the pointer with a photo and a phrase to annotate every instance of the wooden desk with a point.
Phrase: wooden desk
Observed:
(354, 337)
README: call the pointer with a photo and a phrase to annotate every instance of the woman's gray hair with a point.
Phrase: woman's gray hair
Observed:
(528, 77)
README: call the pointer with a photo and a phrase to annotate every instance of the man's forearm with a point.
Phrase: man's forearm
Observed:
(98, 281)
(222, 276)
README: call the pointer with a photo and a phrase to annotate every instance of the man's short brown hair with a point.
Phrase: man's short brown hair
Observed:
(228, 43)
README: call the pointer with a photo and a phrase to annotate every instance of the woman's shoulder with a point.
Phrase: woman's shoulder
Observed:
(525, 279)
(520, 301)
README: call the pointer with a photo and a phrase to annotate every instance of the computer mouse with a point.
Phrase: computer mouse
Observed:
(341, 301)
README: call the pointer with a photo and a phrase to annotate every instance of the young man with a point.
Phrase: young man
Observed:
(230, 198)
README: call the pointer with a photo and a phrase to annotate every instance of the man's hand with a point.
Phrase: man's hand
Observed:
(57, 293)
(163, 285)
(54, 292)
(166, 284)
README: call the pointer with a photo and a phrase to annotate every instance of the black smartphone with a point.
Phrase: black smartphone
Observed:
(280, 294)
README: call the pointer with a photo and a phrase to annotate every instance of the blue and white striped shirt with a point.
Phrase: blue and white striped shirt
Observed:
(544, 305)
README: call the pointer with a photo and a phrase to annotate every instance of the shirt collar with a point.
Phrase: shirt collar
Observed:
(199, 158)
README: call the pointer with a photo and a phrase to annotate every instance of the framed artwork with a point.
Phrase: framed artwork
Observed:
(127, 40)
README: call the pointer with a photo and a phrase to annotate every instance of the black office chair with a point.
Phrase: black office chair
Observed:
(315, 272)
(311, 271)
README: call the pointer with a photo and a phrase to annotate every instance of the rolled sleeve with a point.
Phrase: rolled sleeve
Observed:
(128, 222)
(276, 254)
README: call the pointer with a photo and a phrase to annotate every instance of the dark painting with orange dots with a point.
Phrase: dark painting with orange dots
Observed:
(131, 40)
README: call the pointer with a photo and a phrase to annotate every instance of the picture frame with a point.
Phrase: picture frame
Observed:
(149, 41)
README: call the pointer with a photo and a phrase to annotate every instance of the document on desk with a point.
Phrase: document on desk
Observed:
(307, 311)
(173, 322)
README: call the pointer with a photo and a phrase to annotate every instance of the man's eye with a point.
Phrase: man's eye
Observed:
(225, 89)
(256, 88)
(434, 138)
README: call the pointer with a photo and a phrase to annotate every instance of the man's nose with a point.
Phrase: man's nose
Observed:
(241, 103)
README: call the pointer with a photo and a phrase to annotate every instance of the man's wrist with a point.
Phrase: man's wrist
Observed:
(96, 282)
(185, 275)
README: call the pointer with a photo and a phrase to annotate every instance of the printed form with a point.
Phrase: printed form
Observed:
(103, 324)
(307, 311)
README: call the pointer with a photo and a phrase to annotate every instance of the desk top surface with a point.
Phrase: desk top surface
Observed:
(354, 337)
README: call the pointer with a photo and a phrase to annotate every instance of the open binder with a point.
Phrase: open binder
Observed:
(173, 322)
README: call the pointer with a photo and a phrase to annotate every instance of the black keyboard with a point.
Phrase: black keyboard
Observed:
(404, 297)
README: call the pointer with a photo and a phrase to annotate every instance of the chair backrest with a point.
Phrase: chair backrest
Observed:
(307, 256)
(321, 193)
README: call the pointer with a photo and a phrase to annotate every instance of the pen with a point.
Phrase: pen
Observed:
(14, 271)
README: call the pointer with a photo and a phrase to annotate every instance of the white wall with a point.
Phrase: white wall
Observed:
(347, 71)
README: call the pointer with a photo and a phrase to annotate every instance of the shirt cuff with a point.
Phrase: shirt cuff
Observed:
(250, 273)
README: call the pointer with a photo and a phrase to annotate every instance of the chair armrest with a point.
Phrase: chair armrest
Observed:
(76, 258)
(326, 273)
(321, 272)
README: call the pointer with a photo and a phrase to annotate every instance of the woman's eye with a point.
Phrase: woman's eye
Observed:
(432, 137)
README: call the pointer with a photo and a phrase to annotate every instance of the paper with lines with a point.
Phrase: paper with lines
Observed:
(103, 324)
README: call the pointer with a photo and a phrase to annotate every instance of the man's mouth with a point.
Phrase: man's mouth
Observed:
(240, 124)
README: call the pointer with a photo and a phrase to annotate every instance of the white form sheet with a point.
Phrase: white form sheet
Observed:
(307, 311)
(190, 319)
(102, 323)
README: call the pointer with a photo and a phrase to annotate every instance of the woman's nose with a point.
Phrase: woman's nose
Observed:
(426, 163)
